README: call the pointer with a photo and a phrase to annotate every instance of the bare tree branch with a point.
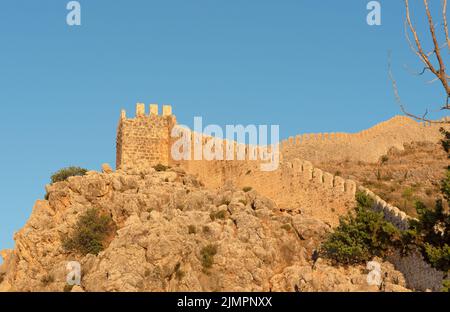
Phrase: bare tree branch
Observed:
(402, 106)
(419, 50)
(441, 72)
(444, 16)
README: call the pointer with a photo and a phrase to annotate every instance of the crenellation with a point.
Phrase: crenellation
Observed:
(328, 179)
(307, 169)
(291, 141)
(338, 184)
(318, 175)
(167, 110)
(154, 109)
(140, 109)
(350, 187)
(297, 165)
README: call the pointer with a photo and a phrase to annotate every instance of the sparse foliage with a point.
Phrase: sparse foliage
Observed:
(247, 189)
(207, 255)
(431, 231)
(222, 214)
(192, 229)
(65, 173)
(160, 167)
(179, 274)
(361, 235)
(90, 233)
(47, 280)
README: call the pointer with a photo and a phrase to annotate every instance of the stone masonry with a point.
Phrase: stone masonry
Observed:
(145, 139)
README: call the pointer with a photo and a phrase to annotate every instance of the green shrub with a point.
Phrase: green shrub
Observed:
(47, 280)
(361, 235)
(179, 274)
(378, 174)
(446, 286)
(192, 229)
(247, 189)
(430, 232)
(160, 167)
(222, 214)
(207, 255)
(65, 173)
(91, 231)
(287, 227)
(206, 229)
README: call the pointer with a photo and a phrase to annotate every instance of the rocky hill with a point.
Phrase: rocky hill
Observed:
(173, 234)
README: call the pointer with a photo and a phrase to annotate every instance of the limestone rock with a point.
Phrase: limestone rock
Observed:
(106, 168)
(165, 221)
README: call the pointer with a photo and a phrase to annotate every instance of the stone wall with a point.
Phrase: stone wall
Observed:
(367, 146)
(391, 213)
(296, 185)
(419, 275)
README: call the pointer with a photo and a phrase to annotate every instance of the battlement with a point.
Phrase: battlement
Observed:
(153, 111)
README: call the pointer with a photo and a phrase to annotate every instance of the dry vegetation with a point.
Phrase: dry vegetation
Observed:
(400, 177)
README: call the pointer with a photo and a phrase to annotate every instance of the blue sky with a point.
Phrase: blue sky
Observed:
(307, 65)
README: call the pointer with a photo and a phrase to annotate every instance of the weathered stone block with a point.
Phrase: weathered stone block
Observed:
(140, 109)
(350, 187)
(154, 109)
(338, 184)
(328, 179)
(307, 170)
(318, 175)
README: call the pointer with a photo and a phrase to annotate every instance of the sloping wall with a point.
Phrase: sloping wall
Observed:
(368, 145)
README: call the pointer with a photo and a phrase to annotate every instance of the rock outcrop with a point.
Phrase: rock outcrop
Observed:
(164, 220)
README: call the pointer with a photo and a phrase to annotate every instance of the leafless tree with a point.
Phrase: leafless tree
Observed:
(433, 60)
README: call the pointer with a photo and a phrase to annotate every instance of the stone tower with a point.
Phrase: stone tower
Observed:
(144, 141)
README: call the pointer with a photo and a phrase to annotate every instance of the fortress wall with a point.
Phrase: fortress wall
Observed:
(391, 213)
(296, 185)
(299, 187)
(419, 275)
(368, 145)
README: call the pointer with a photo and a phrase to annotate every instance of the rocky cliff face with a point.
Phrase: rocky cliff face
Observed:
(164, 221)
